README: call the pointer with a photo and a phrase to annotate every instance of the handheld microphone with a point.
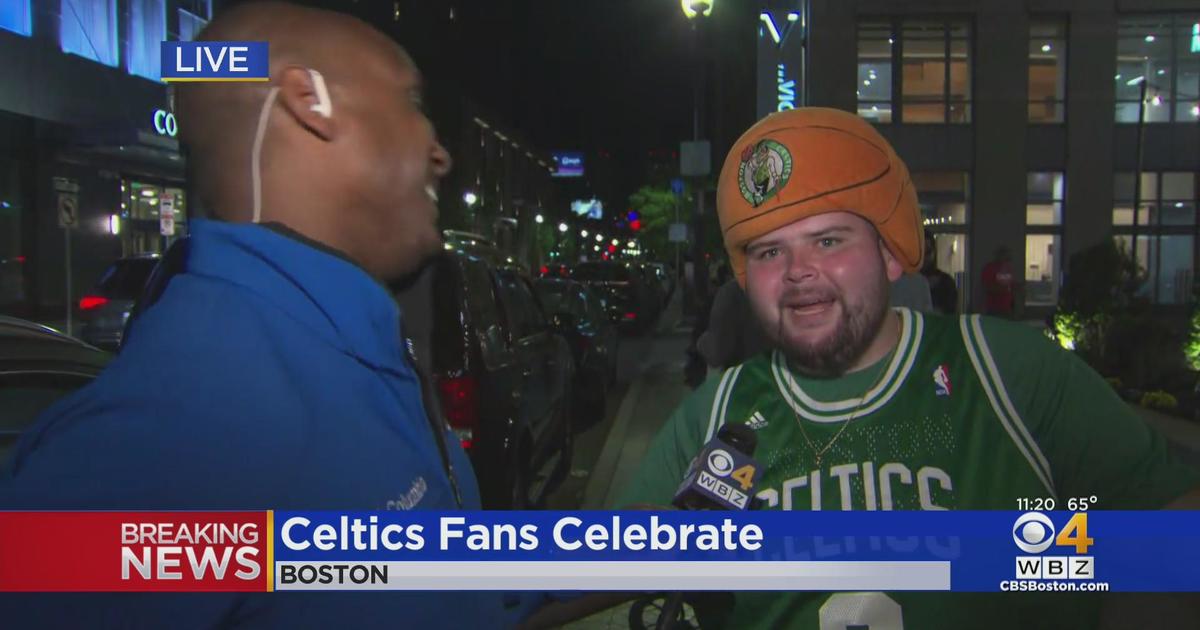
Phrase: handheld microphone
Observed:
(723, 475)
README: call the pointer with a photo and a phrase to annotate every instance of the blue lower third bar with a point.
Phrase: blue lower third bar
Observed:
(613, 576)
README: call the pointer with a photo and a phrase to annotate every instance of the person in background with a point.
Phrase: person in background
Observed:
(999, 284)
(942, 288)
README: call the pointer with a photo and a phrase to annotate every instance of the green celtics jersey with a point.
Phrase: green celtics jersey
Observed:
(966, 413)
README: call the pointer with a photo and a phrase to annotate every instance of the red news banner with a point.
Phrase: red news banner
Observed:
(135, 551)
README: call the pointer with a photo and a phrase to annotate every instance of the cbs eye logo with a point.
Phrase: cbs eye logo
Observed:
(1034, 532)
(721, 464)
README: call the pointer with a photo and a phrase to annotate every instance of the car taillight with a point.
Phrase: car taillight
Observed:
(629, 316)
(545, 270)
(89, 302)
(460, 403)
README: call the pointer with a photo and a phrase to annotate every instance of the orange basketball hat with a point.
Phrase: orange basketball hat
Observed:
(809, 161)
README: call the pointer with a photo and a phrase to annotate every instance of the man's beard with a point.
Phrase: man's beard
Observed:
(856, 330)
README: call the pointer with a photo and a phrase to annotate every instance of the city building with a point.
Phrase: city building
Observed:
(87, 140)
(1019, 122)
(89, 155)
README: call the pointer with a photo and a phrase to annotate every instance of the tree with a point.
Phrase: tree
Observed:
(656, 210)
(656, 207)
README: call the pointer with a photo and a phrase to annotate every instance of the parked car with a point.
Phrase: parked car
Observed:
(554, 270)
(38, 365)
(580, 313)
(624, 288)
(503, 374)
(105, 308)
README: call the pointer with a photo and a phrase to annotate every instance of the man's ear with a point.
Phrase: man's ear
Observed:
(302, 99)
(893, 266)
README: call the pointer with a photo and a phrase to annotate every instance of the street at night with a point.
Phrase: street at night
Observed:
(380, 297)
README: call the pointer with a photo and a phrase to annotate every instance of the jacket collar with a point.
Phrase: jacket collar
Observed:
(314, 285)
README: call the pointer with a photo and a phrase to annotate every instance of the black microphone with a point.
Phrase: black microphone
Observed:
(723, 475)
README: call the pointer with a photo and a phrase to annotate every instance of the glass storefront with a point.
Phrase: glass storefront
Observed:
(140, 223)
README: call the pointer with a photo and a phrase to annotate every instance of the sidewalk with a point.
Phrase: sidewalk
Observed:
(1183, 435)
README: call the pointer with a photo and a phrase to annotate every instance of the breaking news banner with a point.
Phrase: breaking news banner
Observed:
(600, 551)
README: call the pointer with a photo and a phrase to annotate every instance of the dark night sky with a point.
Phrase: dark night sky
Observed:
(590, 75)
(619, 69)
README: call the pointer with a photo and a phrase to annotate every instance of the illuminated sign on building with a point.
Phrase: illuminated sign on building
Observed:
(781, 62)
(787, 90)
(164, 123)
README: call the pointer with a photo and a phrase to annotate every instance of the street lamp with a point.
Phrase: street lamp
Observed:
(562, 227)
(539, 219)
(470, 198)
(599, 238)
(694, 8)
(583, 234)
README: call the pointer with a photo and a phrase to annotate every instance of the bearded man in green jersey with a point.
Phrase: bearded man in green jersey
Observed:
(862, 407)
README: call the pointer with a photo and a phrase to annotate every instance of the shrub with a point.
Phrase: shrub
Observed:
(1159, 400)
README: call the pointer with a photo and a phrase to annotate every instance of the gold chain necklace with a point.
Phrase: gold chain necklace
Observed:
(819, 453)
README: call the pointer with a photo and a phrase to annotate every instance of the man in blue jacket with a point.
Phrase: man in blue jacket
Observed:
(271, 374)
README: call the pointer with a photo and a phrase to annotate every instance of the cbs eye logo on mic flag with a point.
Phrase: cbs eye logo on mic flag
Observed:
(214, 61)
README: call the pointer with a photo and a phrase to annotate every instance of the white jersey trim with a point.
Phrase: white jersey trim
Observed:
(997, 394)
(901, 364)
(721, 401)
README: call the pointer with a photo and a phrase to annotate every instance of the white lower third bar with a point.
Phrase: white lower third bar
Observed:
(613, 576)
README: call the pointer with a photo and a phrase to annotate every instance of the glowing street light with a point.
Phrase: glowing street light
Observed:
(562, 227)
(583, 234)
(539, 219)
(694, 8)
(470, 198)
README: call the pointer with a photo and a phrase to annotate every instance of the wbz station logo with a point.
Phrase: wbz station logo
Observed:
(720, 465)
(1034, 533)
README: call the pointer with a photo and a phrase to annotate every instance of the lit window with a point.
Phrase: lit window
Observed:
(1047, 70)
(944, 197)
(1158, 69)
(16, 16)
(1044, 194)
(147, 30)
(88, 28)
(193, 17)
(914, 71)
(1161, 235)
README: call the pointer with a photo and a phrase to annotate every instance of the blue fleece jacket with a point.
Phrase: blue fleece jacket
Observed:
(270, 375)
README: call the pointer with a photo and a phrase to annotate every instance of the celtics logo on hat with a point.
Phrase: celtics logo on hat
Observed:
(764, 171)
